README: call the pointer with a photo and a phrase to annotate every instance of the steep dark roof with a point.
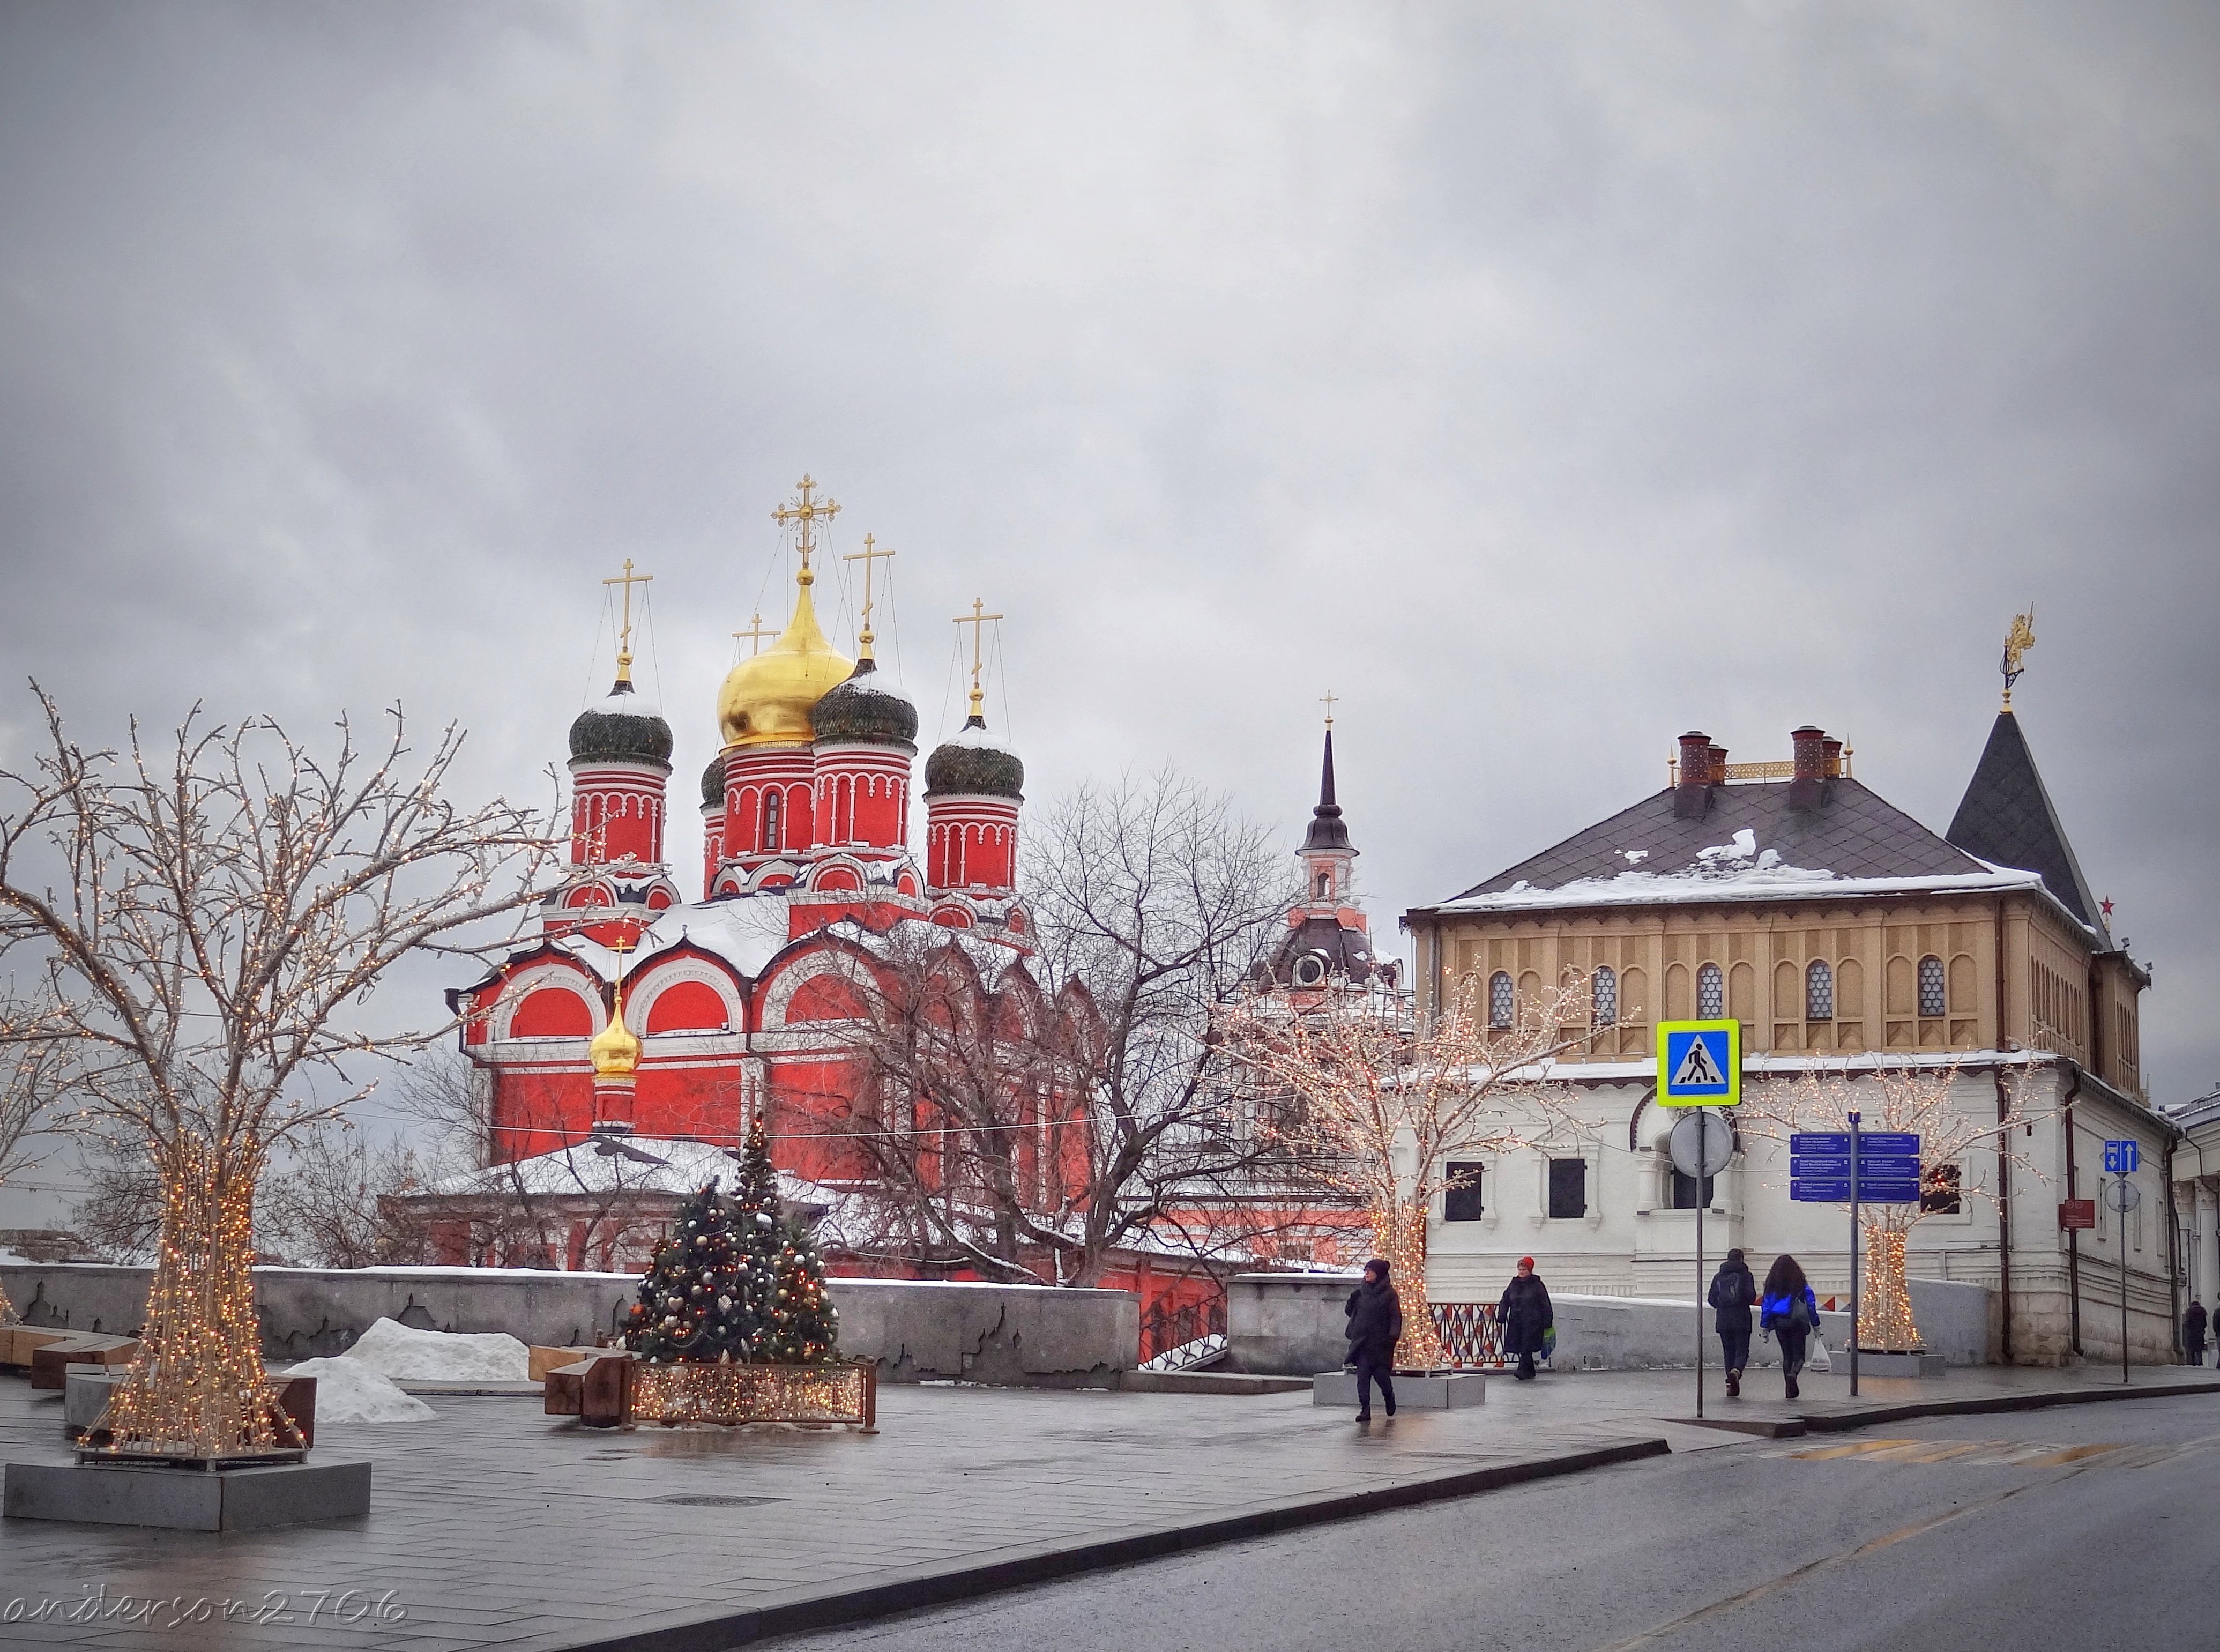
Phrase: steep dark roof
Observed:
(2006, 817)
(1854, 833)
(1347, 952)
(1327, 829)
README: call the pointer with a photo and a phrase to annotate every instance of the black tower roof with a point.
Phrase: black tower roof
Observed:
(1327, 830)
(2006, 817)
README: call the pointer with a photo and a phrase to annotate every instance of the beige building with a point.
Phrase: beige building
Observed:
(1843, 934)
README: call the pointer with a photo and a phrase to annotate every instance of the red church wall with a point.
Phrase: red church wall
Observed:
(686, 1007)
(553, 1013)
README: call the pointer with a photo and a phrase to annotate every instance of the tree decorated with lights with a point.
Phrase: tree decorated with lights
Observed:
(695, 1301)
(795, 1323)
(202, 915)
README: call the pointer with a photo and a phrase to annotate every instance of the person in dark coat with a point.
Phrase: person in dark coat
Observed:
(1789, 1312)
(1376, 1326)
(2192, 1332)
(1733, 1294)
(1525, 1316)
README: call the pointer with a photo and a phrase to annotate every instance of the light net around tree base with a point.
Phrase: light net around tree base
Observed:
(1400, 1234)
(197, 1390)
(731, 1394)
(1885, 1321)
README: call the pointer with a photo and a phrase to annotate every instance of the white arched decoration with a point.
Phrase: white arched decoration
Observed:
(778, 993)
(550, 975)
(657, 977)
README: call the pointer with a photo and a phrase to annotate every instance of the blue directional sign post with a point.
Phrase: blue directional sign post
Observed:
(1699, 1065)
(2123, 1158)
(1854, 1167)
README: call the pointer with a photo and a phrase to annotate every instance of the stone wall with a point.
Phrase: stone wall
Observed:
(1012, 1334)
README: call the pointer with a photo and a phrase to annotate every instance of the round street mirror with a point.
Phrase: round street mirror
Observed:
(1701, 1138)
(2122, 1195)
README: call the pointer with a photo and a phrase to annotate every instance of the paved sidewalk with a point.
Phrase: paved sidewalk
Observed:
(495, 1526)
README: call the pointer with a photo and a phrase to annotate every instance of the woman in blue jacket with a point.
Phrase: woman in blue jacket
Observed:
(1791, 1312)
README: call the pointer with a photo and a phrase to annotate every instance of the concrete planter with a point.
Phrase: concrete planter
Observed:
(1893, 1365)
(185, 1499)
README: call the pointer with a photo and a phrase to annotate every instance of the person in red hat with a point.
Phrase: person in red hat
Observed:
(1525, 1316)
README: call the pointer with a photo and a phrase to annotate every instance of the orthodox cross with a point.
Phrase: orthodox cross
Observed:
(627, 579)
(978, 620)
(1328, 698)
(806, 511)
(2017, 641)
(867, 556)
(755, 633)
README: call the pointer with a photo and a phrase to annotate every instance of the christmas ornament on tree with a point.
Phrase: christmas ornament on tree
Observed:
(693, 1305)
(795, 1320)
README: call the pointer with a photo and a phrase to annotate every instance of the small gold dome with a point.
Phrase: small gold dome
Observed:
(766, 699)
(615, 1052)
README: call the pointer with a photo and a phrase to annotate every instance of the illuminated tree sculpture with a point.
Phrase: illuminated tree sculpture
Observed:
(1376, 1108)
(205, 917)
(1914, 1097)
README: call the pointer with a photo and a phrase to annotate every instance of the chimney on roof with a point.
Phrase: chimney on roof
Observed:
(1834, 749)
(1807, 791)
(1692, 792)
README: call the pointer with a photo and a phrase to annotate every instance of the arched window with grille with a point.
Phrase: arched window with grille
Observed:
(1603, 995)
(1502, 1005)
(1818, 991)
(1711, 993)
(1933, 999)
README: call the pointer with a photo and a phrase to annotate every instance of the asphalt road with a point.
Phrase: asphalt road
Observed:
(2084, 1527)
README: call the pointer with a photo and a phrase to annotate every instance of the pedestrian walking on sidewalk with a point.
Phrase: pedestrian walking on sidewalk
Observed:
(1527, 1317)
(1789, 1312)
(1376, 1326)
(2192, 1332)
(1733, 1294)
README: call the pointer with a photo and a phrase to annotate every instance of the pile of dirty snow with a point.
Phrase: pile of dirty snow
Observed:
(412, 1356)
(348, 1391)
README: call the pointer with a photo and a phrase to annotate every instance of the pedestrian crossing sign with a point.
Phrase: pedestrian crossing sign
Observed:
(1699, 1063)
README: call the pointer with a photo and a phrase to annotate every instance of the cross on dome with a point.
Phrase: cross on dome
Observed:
(867, 556)
(755, 633)
(627, 579)
(805, 510)
(978, 620)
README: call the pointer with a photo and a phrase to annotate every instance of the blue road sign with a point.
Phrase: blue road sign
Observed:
(1821, 1144)
(1878, 1143)
(1819, 1167)
(1699, 1063)
(2122, 1157)
(1822, 1190)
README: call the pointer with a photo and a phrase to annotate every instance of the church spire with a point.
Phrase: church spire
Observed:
(1327, 832)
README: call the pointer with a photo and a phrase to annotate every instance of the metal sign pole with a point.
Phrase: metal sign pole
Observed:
(2124, 1280)
(1855, 1116)
(1702, 1158)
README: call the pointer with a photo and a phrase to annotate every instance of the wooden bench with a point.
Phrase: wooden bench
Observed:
(596, 1390)
(50, 1362)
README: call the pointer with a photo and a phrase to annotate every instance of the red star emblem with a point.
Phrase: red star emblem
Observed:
(2106, 906)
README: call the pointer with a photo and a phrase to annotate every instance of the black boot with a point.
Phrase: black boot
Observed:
(1734, 1385)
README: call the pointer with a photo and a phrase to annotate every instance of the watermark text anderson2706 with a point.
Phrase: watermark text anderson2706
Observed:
(299, 1609)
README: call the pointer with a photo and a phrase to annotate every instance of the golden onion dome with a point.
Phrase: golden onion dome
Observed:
(615, 1051)
(766, 701)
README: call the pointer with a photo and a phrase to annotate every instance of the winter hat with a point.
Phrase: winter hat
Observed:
(1378, 1265)
(1525, 1261)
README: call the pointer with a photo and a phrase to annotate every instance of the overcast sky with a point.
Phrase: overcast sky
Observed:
(1543, 381)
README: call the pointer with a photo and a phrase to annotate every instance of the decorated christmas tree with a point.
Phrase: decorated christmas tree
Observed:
(697, 1303)
(794, 1321)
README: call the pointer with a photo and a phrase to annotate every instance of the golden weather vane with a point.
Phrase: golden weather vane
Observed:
(755, 633)
(978, 620)
(1327, 699)
(805, 510)
(2017, 641)
(627, 579)
(867, 556)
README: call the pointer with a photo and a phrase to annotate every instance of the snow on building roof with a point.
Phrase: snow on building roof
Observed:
(585, 1167)
(1750, 846)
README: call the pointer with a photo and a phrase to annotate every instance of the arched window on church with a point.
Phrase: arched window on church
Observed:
(1501, 1006)
(1603, 995)
(1321, 884)
(771, 800)
(1933, 999)
(1711, 993)
(1818, 991)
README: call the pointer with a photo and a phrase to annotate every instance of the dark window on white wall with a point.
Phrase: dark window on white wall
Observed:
(1711, 993)
(1461, 1197)
(1569, 1188)
(1685, 1194)
(1933, 999)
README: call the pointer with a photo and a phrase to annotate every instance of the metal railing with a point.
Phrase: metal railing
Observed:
(1184, 1338)
(1471, 1340)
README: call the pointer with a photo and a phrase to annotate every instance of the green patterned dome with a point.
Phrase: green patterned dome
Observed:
(974, 764)
(623, 728)
(866, 707)
(713, 783)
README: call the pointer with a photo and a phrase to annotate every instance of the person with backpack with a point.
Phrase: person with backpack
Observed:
(2192, 1332)
(1733, 1294)
(1527, 1317)
(1376, 1326)
(1789, 1312)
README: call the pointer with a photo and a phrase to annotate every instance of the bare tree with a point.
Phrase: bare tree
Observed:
(1915, 1097)
(33, 1079)
(335, 1201)
(205, 913)
(1379, 1106)
(1032, 1118)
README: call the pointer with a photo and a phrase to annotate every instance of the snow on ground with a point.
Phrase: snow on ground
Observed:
(348, 1391)
(413, 1355)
